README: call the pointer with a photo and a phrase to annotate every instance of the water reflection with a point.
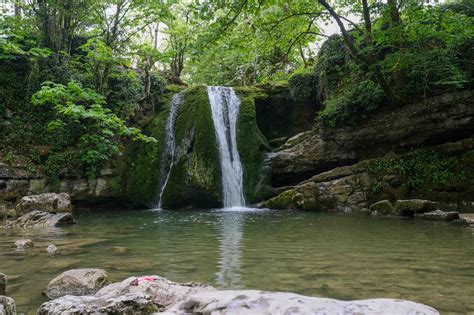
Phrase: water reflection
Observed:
(229, 264)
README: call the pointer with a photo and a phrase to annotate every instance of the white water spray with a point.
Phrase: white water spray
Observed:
(169, 153)
(225, 106)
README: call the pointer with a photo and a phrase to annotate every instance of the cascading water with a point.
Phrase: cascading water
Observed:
(169, 153)
(225, 106)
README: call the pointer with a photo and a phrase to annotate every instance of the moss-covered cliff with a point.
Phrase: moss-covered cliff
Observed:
(195, 178)
(252, 146)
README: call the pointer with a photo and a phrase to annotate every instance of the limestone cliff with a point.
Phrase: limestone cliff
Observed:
(424, 149)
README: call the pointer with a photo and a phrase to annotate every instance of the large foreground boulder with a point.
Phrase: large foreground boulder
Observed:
(149, 294)
(85, 281)
(40, 219)
(48, 202)
(135, 295)
(259, 302)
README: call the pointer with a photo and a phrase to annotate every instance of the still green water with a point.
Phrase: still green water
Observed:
(308, 253)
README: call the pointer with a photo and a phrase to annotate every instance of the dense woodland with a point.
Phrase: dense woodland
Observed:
(78, 76)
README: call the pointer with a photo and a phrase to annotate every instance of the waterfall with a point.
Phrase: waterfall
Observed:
(225, 106)
(169, 153)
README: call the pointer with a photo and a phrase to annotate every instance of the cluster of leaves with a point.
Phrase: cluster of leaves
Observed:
(419, 167)
(86, 130)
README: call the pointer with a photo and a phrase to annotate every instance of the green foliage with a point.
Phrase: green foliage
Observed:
(419, 167)
(332, 66)
(303, 86)
(354, 103)
(85, 130)
(126, 90)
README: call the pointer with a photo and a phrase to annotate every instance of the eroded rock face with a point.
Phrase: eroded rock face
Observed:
(132, 296)
(343, 189)
(47, 202)
(86, 281)
(449, 117)
(260, 302)
(39, 219)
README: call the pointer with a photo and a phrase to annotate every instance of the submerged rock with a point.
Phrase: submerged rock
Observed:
(38, 219)
(7, 306)
(439, 215)
(260, 302)
(85, 281)
(51, 249)
(23, 244)
(47, 202)
(132, 296)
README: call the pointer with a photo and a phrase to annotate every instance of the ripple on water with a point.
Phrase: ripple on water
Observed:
(307, 253)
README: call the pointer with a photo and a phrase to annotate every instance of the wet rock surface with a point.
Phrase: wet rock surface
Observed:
(47, 202)
(24, 244)
(39, 219)
(85, 281)
(134, 295)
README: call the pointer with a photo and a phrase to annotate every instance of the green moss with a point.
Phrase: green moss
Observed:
(142, 176)
(282, 201)
(252, 146)
(195, 179)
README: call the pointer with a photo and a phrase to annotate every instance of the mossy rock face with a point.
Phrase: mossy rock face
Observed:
(252, 146)
(141, 178)
(195, 179)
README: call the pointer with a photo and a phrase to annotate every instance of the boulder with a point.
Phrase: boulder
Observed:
(7, 306)
(52, 249)
(439, 215)
(411, 207)
(3, 284)
(24, 244)
(133, 295)
(384, 207)
(260, 302)
(39, 219)
(85, 281)
(48, 202)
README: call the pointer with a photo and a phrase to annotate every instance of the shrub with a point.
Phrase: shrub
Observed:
(85, 132)
(303, 86)
(125, 92)
(352, 104)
